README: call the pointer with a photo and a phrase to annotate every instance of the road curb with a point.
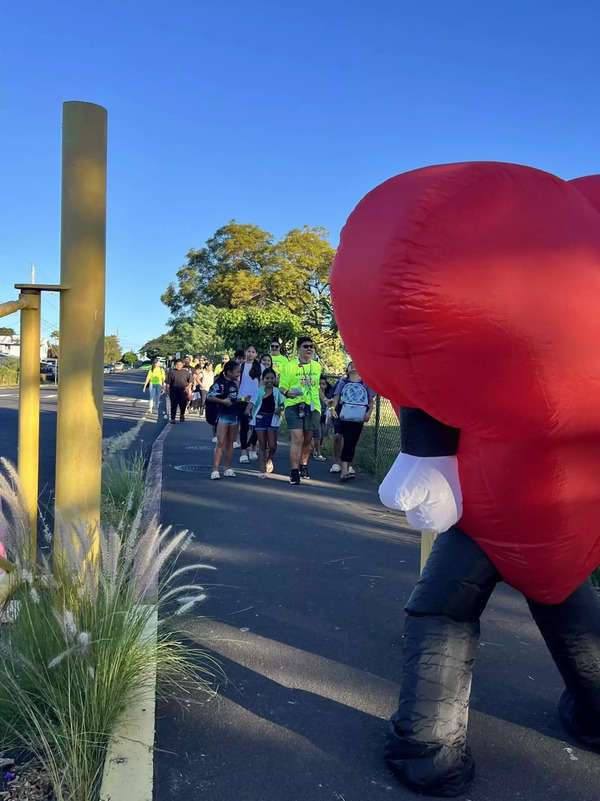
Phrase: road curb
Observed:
(129, 766)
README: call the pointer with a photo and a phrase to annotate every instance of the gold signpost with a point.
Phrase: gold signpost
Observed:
(81, 355)
(427, 540)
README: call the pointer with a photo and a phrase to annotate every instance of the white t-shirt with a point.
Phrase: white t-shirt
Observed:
(248, 386)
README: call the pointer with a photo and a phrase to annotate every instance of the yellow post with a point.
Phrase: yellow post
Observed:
(427, 540)
(81, 356)
(29, 409)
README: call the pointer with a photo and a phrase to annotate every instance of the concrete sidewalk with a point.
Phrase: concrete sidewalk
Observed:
(306, 617)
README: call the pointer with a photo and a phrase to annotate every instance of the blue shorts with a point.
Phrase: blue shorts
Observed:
(229, 419)
(264, 422)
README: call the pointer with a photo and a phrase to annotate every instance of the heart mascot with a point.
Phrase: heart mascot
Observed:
(469, 295)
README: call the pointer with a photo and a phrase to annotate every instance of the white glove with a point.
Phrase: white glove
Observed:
(427, 488)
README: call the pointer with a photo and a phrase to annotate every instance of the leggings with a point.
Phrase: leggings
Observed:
(350, 432)
(178, 398)
(244, 426)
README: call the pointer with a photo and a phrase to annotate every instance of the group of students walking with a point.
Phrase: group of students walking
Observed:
(249, 396)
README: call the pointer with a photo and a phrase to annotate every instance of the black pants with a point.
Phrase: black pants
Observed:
(203, 394)
(351, 433)
(427, 743)
(244, 420)
(178, 398)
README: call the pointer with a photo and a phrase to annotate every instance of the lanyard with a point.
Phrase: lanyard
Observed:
(306, 386)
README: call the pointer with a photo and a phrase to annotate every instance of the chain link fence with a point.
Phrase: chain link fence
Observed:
(387, 436)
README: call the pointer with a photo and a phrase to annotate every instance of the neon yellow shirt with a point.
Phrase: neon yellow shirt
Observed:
(305, 376)
(156, 376)
(280, 363)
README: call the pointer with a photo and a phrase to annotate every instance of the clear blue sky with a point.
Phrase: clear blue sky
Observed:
(273, 115)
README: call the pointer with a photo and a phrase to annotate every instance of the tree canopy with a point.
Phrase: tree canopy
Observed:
(112, 349)
(256, 326)
(129, 357)
(244, 278)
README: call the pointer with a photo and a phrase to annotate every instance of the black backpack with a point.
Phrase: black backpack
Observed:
(211, 410)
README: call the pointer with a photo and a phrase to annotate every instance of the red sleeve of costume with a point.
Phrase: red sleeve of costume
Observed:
(472, 291)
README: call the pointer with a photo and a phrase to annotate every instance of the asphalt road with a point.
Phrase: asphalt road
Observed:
(305, 614)
(125, 408)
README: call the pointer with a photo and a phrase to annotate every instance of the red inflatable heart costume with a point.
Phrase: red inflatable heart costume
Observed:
(472, 291)
(469, 294)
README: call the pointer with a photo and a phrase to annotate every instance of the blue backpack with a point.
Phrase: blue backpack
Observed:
(354, 401)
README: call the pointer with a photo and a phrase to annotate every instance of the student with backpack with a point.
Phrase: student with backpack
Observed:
(222, 411)
(352, 407)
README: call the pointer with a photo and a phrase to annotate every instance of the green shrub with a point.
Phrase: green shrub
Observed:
(8, 376)
(122, 490)
(79, 650)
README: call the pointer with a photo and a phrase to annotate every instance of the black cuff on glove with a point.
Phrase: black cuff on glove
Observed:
(423, 435)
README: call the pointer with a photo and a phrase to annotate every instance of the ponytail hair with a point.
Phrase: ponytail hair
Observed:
(255, 370)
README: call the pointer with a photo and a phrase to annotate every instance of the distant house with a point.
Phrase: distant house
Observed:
(10, 345)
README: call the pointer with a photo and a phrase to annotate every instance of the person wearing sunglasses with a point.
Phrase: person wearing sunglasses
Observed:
(299, 384)
(280, 362)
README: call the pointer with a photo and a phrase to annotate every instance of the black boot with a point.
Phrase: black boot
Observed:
(427, 743)
(572, 633)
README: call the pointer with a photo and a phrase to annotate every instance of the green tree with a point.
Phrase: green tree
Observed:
(195, 333)
(242, 265)
(53, 347)
(129, 357)
(7, 332)
(241, 327)
(227, 272)
(242, 268)
(112, 349)
(159, 346)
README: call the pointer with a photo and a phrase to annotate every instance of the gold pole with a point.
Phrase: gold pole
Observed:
(81, 376)
(29, 410)
(427, 540)
(12, 306)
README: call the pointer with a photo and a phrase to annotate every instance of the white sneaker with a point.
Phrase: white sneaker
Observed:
(335, 468)
(215, 475)
(244, 459)
(237, 445)
(229, 473)
(270, 467)
(215, 440)
(253, 456)
(351, 471)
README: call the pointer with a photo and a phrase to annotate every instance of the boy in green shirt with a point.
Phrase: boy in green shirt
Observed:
(299, 383)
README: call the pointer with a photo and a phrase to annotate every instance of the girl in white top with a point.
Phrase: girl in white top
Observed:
(249, 379)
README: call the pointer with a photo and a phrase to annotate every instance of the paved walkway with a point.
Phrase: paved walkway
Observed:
(306, 619)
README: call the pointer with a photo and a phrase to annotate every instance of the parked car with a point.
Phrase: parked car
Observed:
(48, 370)
(109, 368)
(119, 366)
